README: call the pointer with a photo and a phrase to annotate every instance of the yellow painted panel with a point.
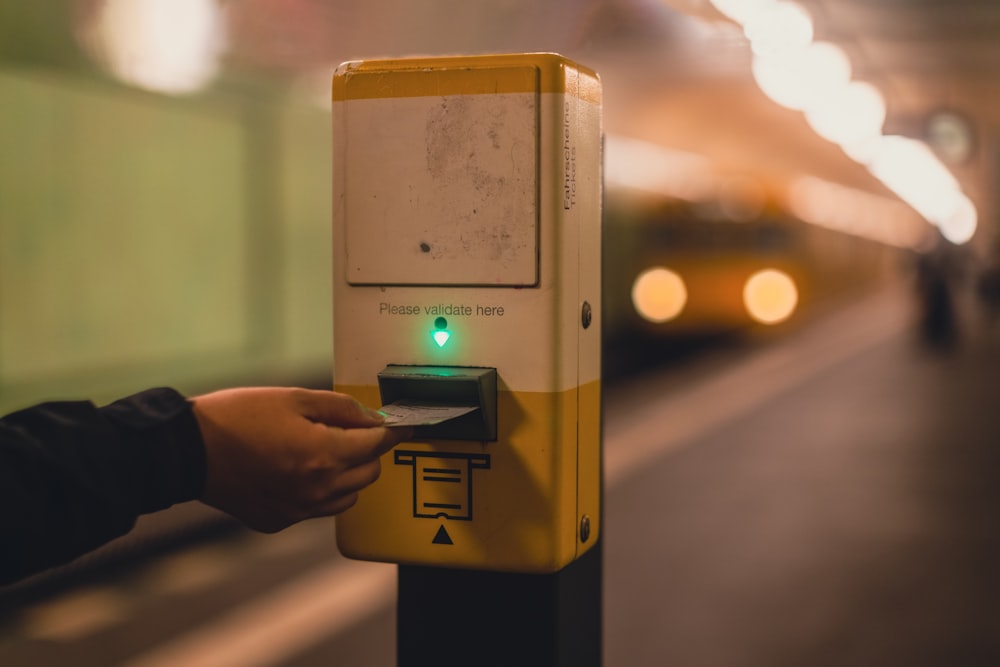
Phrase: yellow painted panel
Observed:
(509, 505)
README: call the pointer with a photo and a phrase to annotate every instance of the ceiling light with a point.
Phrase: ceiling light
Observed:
(170, 46)
(849, 114)
(779, 27)
(796, 80)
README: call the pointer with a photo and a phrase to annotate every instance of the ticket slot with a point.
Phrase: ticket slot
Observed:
(448, 385)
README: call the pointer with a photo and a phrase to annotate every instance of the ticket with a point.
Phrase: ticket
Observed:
(405, 412)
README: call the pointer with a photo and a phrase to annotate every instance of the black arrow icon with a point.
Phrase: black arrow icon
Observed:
(442, 537)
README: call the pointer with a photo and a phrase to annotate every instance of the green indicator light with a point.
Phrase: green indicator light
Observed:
(441, 333)
(441, 337)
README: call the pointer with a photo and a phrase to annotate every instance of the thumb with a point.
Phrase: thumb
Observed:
(337, 409)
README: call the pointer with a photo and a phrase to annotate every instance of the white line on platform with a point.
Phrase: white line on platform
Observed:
(321, 603)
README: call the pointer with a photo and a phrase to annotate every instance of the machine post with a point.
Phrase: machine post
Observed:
(471, 617)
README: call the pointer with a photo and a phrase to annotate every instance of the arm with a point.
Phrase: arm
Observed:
(73, 476)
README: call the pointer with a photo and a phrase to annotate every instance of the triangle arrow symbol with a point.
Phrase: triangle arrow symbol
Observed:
(442, 537)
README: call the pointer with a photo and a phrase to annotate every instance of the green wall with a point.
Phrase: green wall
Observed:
(146, 240)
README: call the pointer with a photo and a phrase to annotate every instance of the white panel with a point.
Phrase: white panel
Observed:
(442, 190)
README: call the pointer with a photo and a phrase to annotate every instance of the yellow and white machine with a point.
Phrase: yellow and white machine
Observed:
(467, 257)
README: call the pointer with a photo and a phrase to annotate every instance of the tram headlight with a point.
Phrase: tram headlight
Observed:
(770, 296)
(659, 295)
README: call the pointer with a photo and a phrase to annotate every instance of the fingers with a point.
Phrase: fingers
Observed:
(338, 505)
(361, 450)
(344, 493)
(355, 479)
(365, 444)
(392, 437)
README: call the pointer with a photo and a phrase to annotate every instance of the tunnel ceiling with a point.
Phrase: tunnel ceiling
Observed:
(676, 72)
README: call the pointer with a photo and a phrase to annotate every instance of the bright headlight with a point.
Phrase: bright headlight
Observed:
(770, 296)
(659, 295)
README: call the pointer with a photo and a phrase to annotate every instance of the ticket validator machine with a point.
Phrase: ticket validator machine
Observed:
(467, 212)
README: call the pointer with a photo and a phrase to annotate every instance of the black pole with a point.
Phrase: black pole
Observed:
(484, 619)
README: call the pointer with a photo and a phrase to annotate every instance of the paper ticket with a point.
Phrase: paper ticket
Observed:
(412, 413)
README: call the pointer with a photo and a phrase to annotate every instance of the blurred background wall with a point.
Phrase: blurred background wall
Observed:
(153, 238)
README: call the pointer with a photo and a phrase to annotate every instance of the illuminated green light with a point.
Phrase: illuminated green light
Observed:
(441, 337)
(440, 332)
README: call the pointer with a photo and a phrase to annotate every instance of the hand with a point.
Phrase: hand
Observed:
(276, 456)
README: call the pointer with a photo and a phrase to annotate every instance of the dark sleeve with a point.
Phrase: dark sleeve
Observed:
(74, 476)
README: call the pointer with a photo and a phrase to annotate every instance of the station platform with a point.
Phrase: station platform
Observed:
(828, 498)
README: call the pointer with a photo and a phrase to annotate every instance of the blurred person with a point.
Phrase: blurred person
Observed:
(938, 268)
(988, 288)
(74, 475)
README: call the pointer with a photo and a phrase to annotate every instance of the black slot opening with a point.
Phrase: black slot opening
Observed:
(449, 385)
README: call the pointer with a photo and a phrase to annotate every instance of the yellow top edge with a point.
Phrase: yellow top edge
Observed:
(465, 75)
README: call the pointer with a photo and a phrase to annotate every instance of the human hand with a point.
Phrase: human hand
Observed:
(277, 455)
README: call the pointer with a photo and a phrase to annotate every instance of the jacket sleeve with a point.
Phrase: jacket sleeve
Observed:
(74, 476)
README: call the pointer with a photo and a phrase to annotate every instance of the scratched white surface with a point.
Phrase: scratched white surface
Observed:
(449, 185)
